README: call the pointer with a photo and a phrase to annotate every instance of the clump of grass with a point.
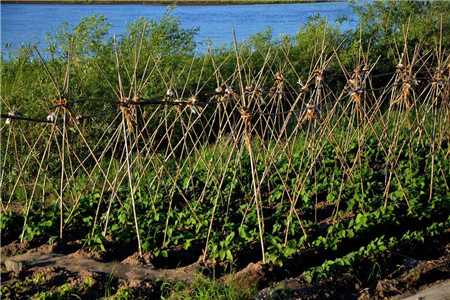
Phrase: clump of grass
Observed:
(209, 288)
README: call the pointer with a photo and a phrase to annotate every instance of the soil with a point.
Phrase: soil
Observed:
(409, 268)
(416, 268)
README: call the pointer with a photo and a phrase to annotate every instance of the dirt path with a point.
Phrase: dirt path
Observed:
(74, 263)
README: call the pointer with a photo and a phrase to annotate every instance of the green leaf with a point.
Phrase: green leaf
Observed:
(145, 246)
(230, 237)
(292, 243)
(242, 232)
(350, 233)
(122, 217)
(229, 255)
(115, 227)
(222, 254)
(52, 239)
(46, 224)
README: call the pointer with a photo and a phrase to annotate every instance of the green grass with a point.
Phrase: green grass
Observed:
(205, 288)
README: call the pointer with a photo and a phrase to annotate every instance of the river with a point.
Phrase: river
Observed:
(29, 23)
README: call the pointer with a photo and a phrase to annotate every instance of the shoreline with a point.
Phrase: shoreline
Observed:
(164, 2)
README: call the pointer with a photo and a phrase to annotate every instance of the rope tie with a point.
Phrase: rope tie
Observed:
(194, 108)
(128, 111)
(169, 94)
(136, 98)
(437, 78)
(177, 105)
(399, 67)
(258, 91)
(60, 102)
(124, 107)
(63, 103)
(318, 77)
(407, 89)
(51, 118)
(279, 78)
(246, 114)
(356, 97)
(355, 85)
(231, 92)
(408, 82)
(219, 94)
(312, 113)
(11, 114)
(255, 91)
(303, 87)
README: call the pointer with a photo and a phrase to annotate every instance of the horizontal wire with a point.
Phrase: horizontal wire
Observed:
(155, 101)
(12, 117)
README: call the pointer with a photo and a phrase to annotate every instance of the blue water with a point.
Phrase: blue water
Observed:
(29, 23)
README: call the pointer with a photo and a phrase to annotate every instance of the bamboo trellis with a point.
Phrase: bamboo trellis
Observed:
(259, 115)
